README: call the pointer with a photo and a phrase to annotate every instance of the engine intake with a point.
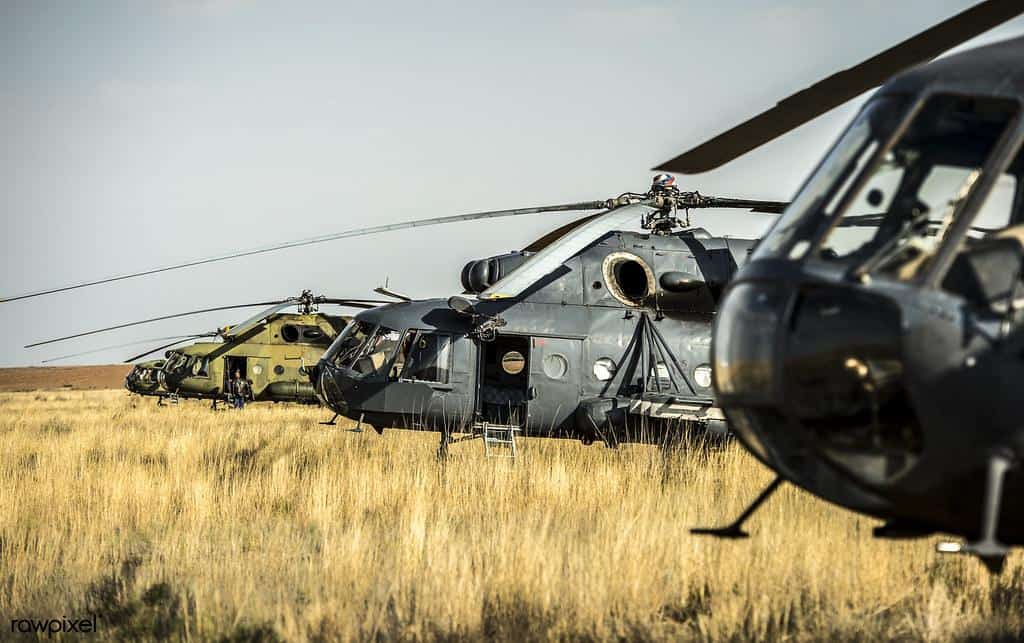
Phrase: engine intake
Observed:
(479, 275)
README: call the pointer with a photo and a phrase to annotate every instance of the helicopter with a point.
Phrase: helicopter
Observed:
(611, 344)
(571, 340)
(870, 350)
(270, 349)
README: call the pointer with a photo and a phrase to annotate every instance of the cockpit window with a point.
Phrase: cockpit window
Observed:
(377, 351)
(790, 234)
(176, 361)
(887, 211)
(346, 348)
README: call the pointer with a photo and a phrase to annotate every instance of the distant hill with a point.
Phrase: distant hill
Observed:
(77, 378)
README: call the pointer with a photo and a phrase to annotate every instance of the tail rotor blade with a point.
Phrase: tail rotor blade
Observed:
(835, 90)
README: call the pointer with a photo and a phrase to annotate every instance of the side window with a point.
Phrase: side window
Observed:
(997, 210)
(402, 355)
(986, 271)
(429, 358)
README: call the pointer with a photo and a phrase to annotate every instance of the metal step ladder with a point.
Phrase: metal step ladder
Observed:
(499, 439)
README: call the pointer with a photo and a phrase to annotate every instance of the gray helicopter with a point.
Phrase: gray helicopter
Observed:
(601, 336)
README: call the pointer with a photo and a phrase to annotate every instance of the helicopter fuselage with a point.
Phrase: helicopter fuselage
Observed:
(271, 356)
(613, 346)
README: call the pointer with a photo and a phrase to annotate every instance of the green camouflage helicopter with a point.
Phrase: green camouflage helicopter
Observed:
(270, 350)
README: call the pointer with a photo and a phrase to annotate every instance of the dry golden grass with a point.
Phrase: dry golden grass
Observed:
(262, 524)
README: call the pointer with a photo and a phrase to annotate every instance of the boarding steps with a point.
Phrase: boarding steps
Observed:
(499, 439)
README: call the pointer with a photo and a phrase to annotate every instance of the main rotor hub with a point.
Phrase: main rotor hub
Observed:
(666, 196)
(308, 303)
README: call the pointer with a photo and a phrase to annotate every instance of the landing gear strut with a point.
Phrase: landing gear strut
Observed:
(735, 529)
(989, 550)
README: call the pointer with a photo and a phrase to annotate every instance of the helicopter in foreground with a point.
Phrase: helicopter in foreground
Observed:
(871, 350)
(270, 349)
(609, 344)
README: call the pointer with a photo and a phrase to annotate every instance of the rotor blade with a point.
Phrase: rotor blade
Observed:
(835, 90)
(116, 346)
(770, 207)
(558, 233)
(358, 232)
(354, 303)
(238, 329)
(147, 321)
(160, 348)
(550, 258)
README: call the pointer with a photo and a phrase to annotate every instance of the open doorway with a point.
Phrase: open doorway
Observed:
(505, 380)
(232, 364)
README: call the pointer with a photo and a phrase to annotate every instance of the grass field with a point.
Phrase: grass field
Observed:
(259, 525)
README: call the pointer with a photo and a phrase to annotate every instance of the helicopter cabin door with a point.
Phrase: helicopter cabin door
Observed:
(555, 377)
(504, 380)
(232, 364)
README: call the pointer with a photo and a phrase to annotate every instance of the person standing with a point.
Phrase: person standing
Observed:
(239, 390)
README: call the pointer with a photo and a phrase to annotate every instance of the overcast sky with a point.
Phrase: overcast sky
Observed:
(137, 134)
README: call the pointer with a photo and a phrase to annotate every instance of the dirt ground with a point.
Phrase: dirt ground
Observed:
(78, 378)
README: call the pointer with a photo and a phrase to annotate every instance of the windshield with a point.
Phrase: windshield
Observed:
(377, 351)
(363, 347)
(887, 210)
(348, 344)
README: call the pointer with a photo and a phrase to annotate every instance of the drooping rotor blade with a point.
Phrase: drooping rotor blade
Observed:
(352, 303)
(147, 321)
(160, 348)
(550, 258)
(558, 233)
(384, 290)
(252, 322)
(768, 207)
(117, 346)
(835, 90)
(358, 232)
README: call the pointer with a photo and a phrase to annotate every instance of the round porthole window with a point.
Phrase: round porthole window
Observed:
(702, 375)
(555, 366)
(279, 370)
(604, 369)
(513, 362)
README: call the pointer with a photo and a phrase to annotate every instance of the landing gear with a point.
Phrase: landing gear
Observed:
(332, 421)
(442, 448)
(735, 529)
(987, 548)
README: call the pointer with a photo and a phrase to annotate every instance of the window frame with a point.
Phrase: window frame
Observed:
(449, 357)
(1002, 154)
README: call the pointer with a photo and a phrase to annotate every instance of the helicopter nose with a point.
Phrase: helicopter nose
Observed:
(817, 368)
(326, 387)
